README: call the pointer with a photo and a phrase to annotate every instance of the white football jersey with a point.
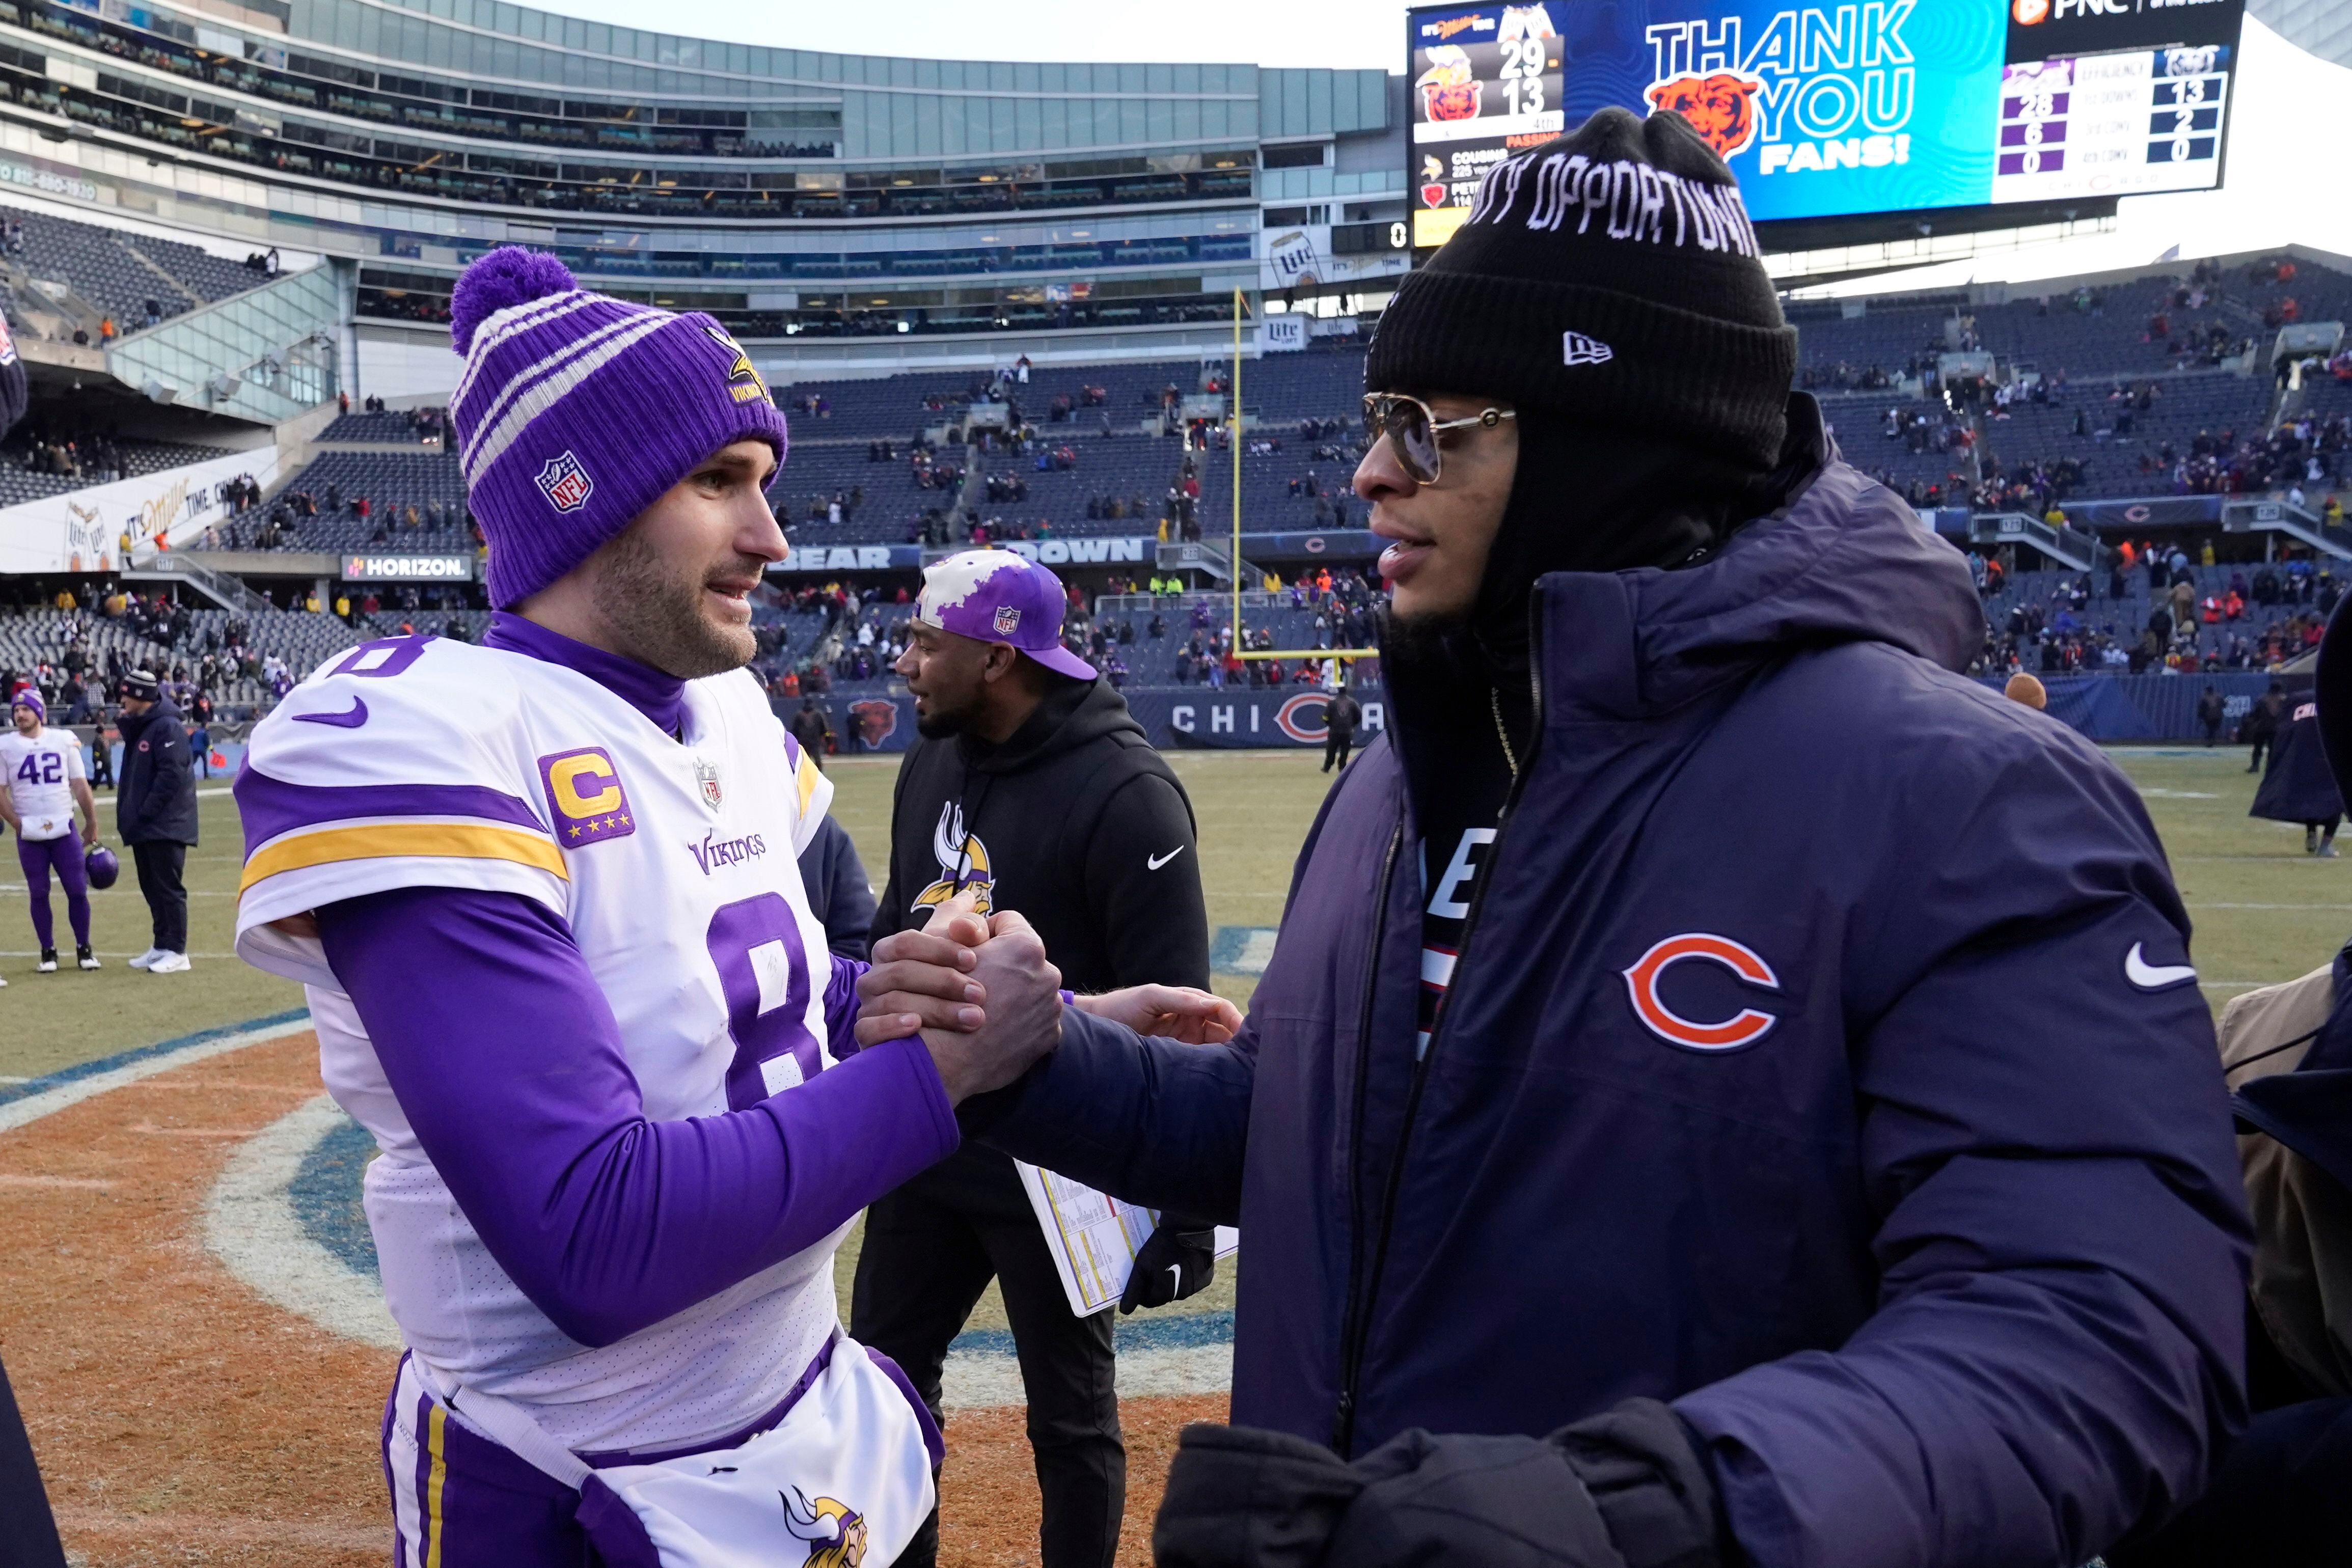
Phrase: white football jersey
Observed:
(427, 762)
(39, 774)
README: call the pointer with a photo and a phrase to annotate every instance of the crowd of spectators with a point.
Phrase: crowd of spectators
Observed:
(2159, 612)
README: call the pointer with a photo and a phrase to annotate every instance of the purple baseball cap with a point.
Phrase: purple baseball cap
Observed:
(997, 596)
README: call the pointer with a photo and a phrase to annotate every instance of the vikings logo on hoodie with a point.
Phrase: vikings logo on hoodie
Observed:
(963, 862)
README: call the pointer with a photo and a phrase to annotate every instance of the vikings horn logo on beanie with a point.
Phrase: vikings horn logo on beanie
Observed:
(576, 409)
(1610, 275)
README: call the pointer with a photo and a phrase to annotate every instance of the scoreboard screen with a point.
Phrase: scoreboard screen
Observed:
(1838, 109)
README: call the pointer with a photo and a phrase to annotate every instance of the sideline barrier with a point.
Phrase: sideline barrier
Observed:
(2103, 708)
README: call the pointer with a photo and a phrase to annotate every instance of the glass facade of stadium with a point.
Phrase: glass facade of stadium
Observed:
(846, 210)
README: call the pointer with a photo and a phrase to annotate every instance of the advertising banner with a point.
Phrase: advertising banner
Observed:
(1325, 544)
(1283, 335)
(2158, 512)
(1201, 716)
(455, 567)
(1837, 109)
(82, 530)
(2158, 707)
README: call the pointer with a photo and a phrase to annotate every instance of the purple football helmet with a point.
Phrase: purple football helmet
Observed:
(102, 865)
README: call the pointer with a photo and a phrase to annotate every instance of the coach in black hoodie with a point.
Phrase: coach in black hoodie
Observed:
(1034, 789)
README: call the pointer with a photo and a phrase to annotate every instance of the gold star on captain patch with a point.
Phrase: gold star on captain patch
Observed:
(575, 832)
(625, 819)
(608, 821)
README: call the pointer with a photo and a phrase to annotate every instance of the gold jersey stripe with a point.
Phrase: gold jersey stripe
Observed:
(379, 840)
(807, 777)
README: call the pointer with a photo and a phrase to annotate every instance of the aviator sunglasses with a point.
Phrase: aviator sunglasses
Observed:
(1412, 430)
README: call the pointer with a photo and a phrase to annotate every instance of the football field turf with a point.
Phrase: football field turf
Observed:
(2263, 910)
(189, 1414)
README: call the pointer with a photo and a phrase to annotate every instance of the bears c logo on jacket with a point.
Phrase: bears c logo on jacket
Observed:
(1743, 1028)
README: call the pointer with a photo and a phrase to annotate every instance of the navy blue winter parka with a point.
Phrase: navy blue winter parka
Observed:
(1822, 1058)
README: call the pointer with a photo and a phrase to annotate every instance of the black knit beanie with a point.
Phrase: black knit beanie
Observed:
(1611, 276)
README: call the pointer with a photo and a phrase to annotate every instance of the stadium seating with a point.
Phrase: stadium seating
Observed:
(388, 481)
(2125, 619)
(20, 482)
(302, 640)
(400, 428)
(118, 272)
(2184, 406)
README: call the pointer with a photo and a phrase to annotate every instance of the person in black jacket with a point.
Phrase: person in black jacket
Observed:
(1032, 789)
(838, 895)
(155, 815)
(2261, 725)
(1342, 715)
(28, 1533)
(810, 727)
(2299, 785)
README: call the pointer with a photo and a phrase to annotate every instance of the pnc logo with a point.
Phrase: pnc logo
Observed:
(1738, 1032)
(2030, 13)
(1720, 106)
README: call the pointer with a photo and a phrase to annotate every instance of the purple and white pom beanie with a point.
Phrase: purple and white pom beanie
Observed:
(577, 409)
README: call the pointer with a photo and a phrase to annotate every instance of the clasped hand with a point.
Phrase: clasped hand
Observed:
(987, 1003)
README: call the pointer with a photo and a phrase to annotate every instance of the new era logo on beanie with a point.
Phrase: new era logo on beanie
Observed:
(1625, 242)
(1576, 349)
(553, 370)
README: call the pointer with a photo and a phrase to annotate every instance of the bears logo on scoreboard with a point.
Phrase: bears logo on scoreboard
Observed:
(1720, 106)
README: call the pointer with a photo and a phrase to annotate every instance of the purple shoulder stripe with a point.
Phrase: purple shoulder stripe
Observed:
(792, 752)
(271, 807)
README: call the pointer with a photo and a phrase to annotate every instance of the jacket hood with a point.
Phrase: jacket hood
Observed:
(1843, 559)
(1068, 716)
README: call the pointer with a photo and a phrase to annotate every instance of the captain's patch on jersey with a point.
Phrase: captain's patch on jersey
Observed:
(583, 790)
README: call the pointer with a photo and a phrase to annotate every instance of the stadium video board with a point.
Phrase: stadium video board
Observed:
(1837, 109)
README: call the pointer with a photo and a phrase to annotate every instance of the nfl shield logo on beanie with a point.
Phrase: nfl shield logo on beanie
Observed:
(565, 484)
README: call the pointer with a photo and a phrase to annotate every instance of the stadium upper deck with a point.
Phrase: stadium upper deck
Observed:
(787, 190)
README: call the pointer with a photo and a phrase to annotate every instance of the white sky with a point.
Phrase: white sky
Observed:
(1343, 34)
(2279, 188)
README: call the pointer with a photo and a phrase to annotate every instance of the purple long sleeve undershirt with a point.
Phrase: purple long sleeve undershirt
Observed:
(509, 1068)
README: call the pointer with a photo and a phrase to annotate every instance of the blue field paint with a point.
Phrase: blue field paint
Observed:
(1179, 1330)
(64, 1075)
(325, 1196)
(1242, 949)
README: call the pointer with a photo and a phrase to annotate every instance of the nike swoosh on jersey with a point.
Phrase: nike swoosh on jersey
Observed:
(352, 719)
(1155, 861)
(2150, 977)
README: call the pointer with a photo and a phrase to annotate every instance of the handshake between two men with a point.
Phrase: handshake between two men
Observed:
(988, 1003)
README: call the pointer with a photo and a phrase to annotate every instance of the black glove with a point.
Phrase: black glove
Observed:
(1178, 1261)
(1623, 1489)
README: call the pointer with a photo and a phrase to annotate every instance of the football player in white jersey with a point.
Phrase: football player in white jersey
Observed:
(43, 782)
(544, 894)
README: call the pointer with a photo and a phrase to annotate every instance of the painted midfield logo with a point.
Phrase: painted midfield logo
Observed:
(565, 483)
